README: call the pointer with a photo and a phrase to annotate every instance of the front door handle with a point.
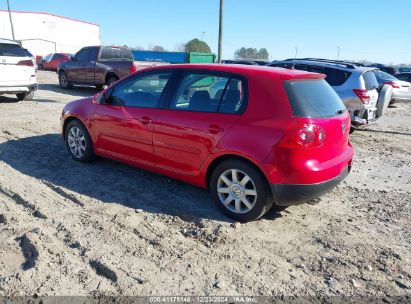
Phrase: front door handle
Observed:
(214, 129)
(146, 120)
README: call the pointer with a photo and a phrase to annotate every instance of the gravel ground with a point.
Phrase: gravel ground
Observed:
(68, 228)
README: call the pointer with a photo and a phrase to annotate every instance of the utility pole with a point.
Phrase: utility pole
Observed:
(296, 52)
(220, 32)
(338, 54)
(11, 20)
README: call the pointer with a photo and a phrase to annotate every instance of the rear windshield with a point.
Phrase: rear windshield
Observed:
(313, 98)
(370, 81)
(12, 50)
(116, 53)
(384, 76)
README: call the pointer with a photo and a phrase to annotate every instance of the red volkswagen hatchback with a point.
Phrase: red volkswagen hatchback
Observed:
(253, 135)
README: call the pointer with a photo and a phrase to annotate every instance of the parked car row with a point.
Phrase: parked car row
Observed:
(365, 91)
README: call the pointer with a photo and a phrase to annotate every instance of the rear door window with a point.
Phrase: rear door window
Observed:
(12, 50)
(370, 81)
(313, 99)
(200, 92)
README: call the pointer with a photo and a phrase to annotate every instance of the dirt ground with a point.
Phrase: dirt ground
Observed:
(68, 228)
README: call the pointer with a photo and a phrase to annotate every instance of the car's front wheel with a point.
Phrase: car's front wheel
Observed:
(25, 96)
(240, 190)
(78, 142)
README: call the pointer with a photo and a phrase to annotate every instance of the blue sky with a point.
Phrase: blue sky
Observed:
(376, 30)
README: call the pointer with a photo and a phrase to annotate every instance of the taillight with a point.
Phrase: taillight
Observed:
(393, 84)
(363, 95)
(303, 135)
(133, 68)
(26, 62)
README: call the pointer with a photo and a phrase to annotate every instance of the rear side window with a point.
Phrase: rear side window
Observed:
(370, 81)
(109, 52)
(313, 98)
(12, 50)
(209, 93)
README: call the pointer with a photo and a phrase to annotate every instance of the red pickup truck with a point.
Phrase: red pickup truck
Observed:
(98, 66)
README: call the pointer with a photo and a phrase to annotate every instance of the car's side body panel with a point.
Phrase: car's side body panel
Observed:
(184, 144)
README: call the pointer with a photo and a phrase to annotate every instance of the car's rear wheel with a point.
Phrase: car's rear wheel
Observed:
(64, 81)
(25, 96)
(78, 142)
(240, 190)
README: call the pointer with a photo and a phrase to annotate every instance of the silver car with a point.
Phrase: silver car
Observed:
(401, 90)
(357, 86)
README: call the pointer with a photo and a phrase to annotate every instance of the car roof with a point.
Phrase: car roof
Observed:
(247, 70)
(7, 41)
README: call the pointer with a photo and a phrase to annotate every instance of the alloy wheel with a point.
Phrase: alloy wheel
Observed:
(236, 191)
(76, 142)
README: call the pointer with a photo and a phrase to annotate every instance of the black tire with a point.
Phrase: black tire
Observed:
(25, 96)
(263, 201)
(88, 154)
(64, 81)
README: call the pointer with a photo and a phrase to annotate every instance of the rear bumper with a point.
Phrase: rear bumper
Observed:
(288, 195)
(18, 88)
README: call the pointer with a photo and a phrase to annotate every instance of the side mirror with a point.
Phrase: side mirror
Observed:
(72, 58)
(101, 98)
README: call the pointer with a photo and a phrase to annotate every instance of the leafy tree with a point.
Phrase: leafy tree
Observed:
(251, 53)
(158, 48)
(196, 45)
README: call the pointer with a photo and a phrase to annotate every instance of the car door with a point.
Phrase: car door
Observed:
(77, 70)
(90, 65)
(124, 121)
(187, 131)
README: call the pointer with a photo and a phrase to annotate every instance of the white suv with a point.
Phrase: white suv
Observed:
(17, 72)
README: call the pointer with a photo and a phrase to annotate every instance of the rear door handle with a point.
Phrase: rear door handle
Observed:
(214, 129)
(146, 120)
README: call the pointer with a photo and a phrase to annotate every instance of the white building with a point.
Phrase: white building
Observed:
(43, 33)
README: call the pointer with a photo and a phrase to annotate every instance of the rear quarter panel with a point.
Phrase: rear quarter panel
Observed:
(261, 126)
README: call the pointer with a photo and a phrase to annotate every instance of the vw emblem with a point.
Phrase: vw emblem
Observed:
(4, 60)
(343, 128)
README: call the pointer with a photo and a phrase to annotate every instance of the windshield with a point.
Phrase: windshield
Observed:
(313, 99)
